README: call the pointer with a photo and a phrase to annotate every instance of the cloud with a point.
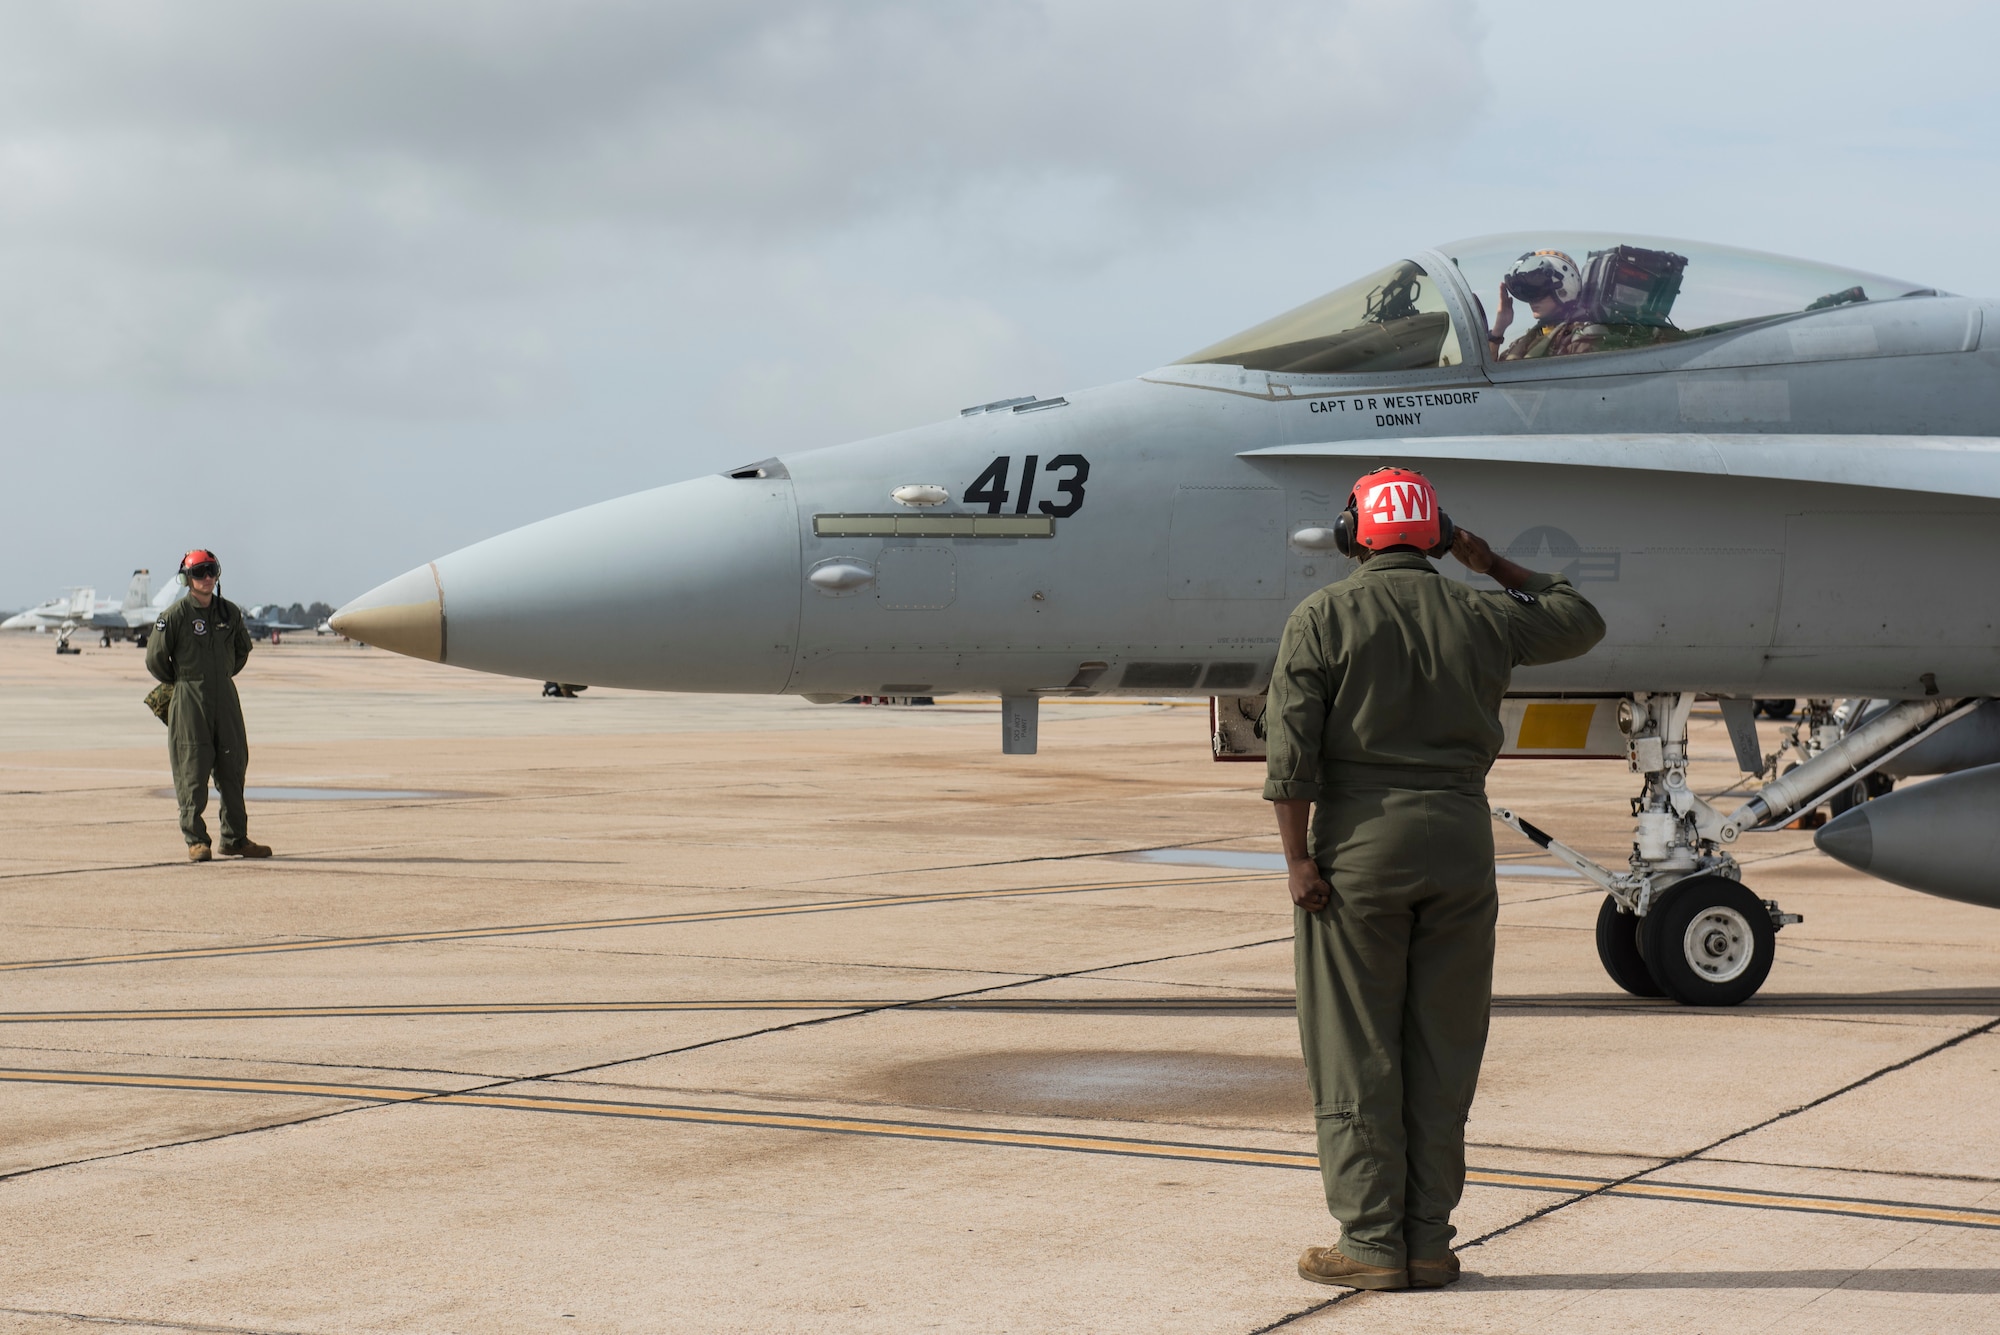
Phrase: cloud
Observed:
(777, 115)
(862, 363)
(373, 206)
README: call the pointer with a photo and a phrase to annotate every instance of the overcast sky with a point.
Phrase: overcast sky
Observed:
(336, 287)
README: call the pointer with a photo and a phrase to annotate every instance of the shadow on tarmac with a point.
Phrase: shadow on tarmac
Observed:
(1908, 1280)
(1957, 1001)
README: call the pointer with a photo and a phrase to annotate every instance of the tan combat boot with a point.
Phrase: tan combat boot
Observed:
(1328, 1265)
(199, 853)
(249, 848)
(1433, 1272)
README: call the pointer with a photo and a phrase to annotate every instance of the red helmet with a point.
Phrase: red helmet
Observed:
(1394, 507)
(198, 558)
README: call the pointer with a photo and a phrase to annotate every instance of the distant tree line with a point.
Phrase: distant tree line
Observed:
(301, 614)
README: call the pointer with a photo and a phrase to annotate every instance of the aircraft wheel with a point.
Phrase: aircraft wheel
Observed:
(1778, 709)
(1709, 942)
(1846, 800)
(1618, 951)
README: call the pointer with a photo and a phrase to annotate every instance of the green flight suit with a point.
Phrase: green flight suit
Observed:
(1384, 713)
(198, 651)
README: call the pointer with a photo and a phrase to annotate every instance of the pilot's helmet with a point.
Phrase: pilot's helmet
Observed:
(1545, 273)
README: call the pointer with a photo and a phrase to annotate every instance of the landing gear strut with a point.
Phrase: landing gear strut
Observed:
(1679, 922)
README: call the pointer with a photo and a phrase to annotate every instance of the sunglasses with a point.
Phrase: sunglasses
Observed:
(204, 572)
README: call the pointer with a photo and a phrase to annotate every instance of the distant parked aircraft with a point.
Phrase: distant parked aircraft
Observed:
(80, 606)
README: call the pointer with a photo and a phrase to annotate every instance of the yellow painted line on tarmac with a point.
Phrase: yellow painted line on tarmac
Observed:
(1130, 1147)
(603, 924)
(1117, 1005)
(1086, 1005)
(1785, 1200)
(662, 1112)
(440, 1008)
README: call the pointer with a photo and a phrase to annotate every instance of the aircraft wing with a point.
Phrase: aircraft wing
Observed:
(1951, 465)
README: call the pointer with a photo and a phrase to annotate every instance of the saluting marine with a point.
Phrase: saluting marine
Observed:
(1383, 720)
(197, 647)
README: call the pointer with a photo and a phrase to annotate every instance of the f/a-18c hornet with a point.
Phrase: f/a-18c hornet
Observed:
(1774, 478)
(80, 607)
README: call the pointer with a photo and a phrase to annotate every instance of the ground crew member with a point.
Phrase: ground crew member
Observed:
(1382, 722)
(198, 646)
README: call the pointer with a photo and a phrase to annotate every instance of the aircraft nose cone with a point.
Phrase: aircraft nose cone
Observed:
(1848, 838)
(404, 616)
(690, 587)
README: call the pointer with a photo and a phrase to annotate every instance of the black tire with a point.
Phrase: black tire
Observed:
(1709, 942)
(1846, 800)
(1618, 951)
(1779, 709)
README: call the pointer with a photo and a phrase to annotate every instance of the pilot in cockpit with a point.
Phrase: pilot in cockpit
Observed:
(1551, 284)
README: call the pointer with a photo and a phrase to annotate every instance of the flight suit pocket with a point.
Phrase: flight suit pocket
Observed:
(1344, 1119)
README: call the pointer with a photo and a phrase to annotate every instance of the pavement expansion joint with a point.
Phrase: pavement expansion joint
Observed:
(1982, 1219)
(910, 900)
(147, 1323)
(1844, 1170)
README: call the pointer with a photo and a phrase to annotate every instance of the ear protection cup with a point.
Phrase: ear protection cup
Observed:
(1343, 531)
(1446, 532)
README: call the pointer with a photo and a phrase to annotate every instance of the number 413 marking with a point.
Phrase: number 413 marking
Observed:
(991, 485)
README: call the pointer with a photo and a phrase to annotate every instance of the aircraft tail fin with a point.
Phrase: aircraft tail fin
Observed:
(140, 591)
(82, 602)
(168, 592)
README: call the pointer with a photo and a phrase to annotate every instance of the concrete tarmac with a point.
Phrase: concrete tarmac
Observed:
(668, 1013)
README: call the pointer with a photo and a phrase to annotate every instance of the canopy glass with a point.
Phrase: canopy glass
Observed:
(1548, 294)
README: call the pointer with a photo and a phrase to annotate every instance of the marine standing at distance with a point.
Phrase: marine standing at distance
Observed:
(198, 646)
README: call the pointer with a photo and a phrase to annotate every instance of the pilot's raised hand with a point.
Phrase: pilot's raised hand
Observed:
(1503, 315)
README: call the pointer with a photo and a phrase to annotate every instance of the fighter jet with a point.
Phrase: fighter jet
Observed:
(1775, 478)
(78, 607)
(266, 621)
(133, 619)
(72, 607)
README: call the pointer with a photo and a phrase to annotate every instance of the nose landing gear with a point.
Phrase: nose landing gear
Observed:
(1679, 922)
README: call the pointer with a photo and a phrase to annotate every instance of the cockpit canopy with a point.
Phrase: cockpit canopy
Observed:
(1635, 291)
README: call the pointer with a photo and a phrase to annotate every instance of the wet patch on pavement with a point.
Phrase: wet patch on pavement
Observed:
(1125, 1085)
